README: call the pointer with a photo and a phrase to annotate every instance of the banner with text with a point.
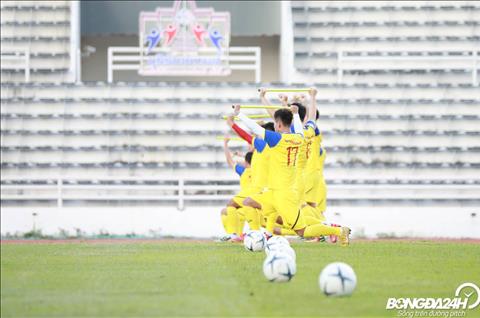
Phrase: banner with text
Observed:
(185, 41)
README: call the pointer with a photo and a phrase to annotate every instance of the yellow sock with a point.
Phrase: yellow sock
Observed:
(224, 222)
(271, 220)
(252, 216)
(263, 219)
(231, 220)
(240, 225)
(321, 229)
(240, 221)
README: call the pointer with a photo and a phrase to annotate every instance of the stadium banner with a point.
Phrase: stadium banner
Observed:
(184, 40)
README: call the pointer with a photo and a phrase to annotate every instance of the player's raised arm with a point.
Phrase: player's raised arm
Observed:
(312, 109)
(228, 154)
(297, 122)
(283, 100)
(271, 137)
(251, 124)
(238, 130)
(265, 101)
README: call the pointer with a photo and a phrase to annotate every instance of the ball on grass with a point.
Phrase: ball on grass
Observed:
(337, 279)
(275, 240)
(254, 241)
(279, 267)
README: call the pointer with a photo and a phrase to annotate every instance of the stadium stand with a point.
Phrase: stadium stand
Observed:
(419, 121)
(43, 29)
(430, 32)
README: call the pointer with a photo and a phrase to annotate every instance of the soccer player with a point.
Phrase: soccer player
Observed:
(311, 172)
(304, 155)
(315, 186)
(284, 147)
(233, 218)
(260, 169)
(307, 172)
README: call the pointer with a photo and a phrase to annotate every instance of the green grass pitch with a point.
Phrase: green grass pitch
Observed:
(168, 278)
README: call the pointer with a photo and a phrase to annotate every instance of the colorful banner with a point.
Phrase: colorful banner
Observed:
(185, 41)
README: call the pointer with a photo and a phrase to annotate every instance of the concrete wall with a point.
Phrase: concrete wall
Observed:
(100, 17)
(115, 23)
(94, 67)
(369, 222)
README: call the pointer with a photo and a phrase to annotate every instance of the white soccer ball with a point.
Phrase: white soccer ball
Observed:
(274, 241)
(282, 248)
(337, 279)
(279, 267)
(254, 241)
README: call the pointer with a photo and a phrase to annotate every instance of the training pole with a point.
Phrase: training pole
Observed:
(286, 90)
(261, 106)
(252, 116)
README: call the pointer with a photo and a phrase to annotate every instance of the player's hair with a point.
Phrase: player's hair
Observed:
(248, 157)
(285, 115)
(302, 110)
(269, 126)
(317, 115)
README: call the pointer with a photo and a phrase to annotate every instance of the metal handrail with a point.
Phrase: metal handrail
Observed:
(132, 61)
(182, 189)
(342, 57)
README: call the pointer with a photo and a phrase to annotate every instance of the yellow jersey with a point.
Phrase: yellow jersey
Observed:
(284, 150)
(260, 164)
(308, 134)
(245, 175)
(312, 146)
(321, 160)
(313, 150)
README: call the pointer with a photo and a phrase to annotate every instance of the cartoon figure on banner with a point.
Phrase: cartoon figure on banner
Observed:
(198, 32)
(184, 40)
(153, 39)
(216, 37)
(171, 32)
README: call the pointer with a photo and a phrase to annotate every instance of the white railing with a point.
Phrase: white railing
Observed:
(15, 60)
(180, 190)
(385, 62)
(125, 58)
(59, 190)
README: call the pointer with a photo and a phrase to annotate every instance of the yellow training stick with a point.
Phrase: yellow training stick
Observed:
(286, 90)
(252, 116)
(261, 106)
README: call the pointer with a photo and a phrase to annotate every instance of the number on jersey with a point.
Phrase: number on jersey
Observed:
(292, 156)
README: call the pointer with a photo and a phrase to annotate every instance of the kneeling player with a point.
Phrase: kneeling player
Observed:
(260, 169)
(233, 218)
